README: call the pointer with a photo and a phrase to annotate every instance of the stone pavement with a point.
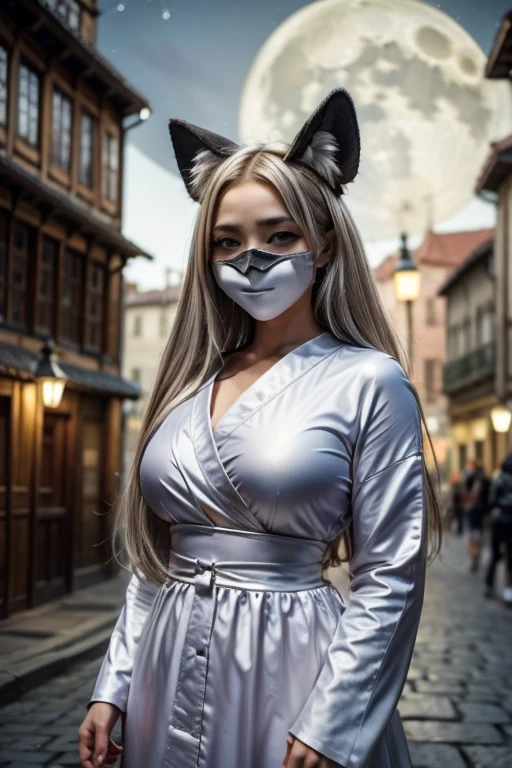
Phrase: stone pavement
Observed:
(456, 707)
(38, 644)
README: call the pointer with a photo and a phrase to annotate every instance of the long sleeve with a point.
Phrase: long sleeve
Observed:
(113, 681)
(359, 685)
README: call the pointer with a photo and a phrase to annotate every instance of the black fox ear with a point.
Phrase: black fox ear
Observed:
(198, 152)
(329, 142)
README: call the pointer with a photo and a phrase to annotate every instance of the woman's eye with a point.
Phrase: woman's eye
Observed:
(283, 237)
(226, 242)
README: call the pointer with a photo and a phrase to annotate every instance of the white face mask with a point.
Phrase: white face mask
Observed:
(265, 284)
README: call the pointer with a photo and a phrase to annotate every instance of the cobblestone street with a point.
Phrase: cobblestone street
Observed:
(456, 707)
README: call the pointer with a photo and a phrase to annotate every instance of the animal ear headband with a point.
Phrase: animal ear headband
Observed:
(328, 144)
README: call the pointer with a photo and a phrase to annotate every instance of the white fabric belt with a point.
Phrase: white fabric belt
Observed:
(202, 555)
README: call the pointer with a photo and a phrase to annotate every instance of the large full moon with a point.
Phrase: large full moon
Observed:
(426, 111)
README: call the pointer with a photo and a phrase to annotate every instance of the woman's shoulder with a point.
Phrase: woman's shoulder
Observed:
(371, 365)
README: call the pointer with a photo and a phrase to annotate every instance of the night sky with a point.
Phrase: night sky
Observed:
(190, 58)
(193, 65)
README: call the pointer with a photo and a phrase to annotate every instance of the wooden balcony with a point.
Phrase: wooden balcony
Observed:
(470, 369)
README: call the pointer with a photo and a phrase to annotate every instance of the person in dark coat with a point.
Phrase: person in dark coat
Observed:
(456, 503)
(476, 492)
(500, 504)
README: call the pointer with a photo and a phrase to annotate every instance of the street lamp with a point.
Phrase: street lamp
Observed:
(501, 417)
(51, 377)
(406, 280)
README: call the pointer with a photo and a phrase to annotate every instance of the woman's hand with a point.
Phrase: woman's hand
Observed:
(94, 743)
(299, 755)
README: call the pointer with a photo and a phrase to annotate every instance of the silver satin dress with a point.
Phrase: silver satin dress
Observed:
(247, 641)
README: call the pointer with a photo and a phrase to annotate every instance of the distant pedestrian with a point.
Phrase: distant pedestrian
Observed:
(500, 504)
(456, 504)
(476, 491)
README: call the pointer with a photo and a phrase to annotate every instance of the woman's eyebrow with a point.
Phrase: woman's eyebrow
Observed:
(272, 221)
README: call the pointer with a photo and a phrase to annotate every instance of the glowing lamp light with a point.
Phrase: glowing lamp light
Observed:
(406, 277)
(145, 113)
(501, 417)
(53, 389)
(51, 377)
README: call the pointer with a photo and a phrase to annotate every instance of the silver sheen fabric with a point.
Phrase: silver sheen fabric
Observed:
(247, 641)
(265, 284)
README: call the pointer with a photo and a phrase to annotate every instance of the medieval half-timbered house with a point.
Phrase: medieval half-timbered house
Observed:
(64, 113)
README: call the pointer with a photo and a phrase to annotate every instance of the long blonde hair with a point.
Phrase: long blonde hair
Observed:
(209, 325)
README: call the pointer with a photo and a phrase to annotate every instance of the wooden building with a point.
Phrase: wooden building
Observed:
(64, 112)
(469, 373)
(478, 375)
(436, 258)
(495, 184)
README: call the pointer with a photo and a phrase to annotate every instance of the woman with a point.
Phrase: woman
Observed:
(280, 424)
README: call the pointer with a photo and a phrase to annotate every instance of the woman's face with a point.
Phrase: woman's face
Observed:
(251, 215)
(260, 256)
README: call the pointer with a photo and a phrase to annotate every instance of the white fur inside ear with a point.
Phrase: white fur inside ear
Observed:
(204, 165)
(321, 156)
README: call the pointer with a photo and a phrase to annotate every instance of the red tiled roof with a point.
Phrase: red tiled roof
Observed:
(497, 165)
(449, 249)
(443, 249)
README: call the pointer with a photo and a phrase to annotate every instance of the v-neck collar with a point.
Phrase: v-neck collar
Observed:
(206, 440)
(252, 395)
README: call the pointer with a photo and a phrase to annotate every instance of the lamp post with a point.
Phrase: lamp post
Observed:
(406, 279)
(51, 377)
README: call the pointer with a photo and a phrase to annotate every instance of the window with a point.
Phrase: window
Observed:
(3, 84)
(94, 307)
(46, 285)
(456, 342)
(451, 346)
(85, 168)
(110, 167)
(484, 325)
(430, 311)
(61, 130)
(466, 331)
(4, 234)
(136, 375)
(28, 105)
(22, 244)
(137, 325)
(431, 384)
(68, 12)
(479, 449)
(72, 284)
